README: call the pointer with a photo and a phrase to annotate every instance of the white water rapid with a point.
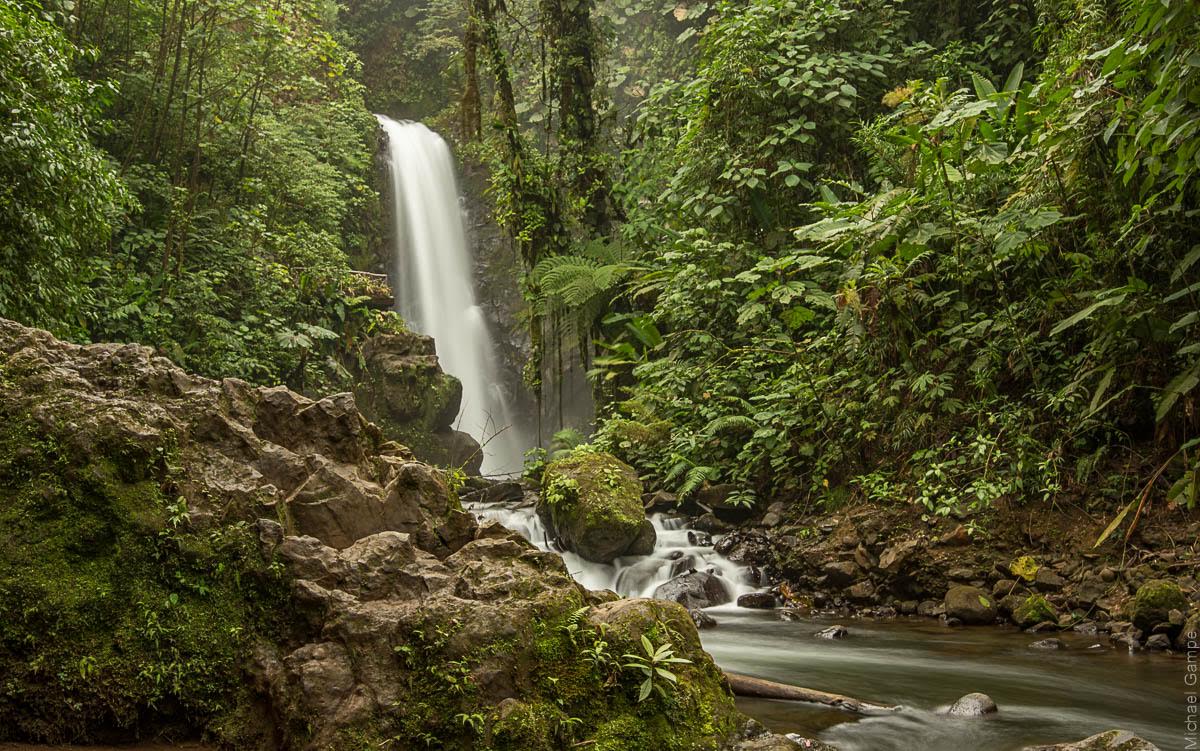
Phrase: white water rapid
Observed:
(434, 292)
(675, 552)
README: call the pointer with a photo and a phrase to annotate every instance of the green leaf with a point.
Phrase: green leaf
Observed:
(983, 87)
(1112, 527)
(1014, 78)
(1179, 386)
(1087, 313)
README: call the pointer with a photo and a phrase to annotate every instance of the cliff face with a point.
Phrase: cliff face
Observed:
(201, 557)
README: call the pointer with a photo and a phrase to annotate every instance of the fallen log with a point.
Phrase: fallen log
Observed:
(744, 685)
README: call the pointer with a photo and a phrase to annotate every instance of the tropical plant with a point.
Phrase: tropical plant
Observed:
(653, 665)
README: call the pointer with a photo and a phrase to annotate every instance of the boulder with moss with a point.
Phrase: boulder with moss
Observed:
(1110, 740)
(1033, 610)
(593, 503)
(1153, 603)
(401, 387)
(197, 558)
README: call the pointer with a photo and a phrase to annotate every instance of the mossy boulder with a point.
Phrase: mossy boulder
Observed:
(593, 503)
(1153, 603)
(401, 387)
(1110, 740)
(1033, 610)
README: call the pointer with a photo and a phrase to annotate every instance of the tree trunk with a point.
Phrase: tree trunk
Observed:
(744, 685)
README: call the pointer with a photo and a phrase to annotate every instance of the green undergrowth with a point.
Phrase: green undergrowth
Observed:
(119, 616)
(573, 687)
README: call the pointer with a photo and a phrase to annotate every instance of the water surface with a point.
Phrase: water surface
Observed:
(1044, 697)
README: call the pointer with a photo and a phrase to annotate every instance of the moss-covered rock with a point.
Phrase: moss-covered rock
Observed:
(1110, 740)
(1154, 601)
(210, 558)
(593, 503)
(1033, 610)
(401, 387)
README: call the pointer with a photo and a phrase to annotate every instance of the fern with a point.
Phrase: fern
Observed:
(729, 422)
(695, 478)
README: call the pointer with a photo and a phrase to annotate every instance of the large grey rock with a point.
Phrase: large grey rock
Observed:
(698, 589)
(972, 705)
(970, 605)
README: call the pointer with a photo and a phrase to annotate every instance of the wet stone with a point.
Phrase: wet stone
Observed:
(833, 632)
(973, 705)
(758, 600)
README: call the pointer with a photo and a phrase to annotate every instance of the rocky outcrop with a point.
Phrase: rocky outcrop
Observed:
(196, 556)
(1044, 574)
(593, 503)
(401, 387)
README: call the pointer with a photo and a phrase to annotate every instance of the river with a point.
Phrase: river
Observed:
(918, 663)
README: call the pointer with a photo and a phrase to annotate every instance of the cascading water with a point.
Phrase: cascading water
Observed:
(675, 552)
(435, 293)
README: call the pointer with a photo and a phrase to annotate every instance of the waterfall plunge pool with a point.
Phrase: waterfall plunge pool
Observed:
(1044, 697)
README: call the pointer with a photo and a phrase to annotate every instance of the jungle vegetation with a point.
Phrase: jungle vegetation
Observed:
(901, 250)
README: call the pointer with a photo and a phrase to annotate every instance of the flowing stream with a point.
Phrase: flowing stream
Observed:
(1044, 697)
(434, 287)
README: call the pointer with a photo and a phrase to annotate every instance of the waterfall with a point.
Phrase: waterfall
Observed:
(434, 292)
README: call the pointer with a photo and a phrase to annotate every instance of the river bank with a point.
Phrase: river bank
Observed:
(879, 584)
(1039, 569)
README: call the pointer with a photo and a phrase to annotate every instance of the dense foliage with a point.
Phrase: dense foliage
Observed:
(992, 297)
(59, 194)
(883, 249)
(891, 249)
(189, 175)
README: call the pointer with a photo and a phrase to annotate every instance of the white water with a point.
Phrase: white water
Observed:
(630, 576)
(435, 294)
